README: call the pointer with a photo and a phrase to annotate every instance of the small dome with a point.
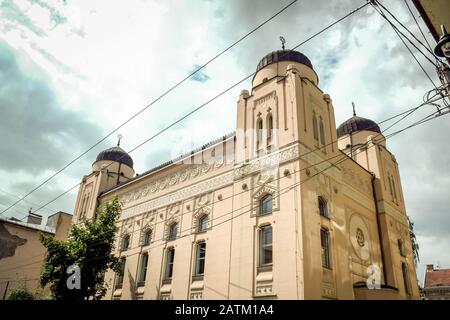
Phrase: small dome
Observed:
(355, 124)
(283, 55)
(115, 154)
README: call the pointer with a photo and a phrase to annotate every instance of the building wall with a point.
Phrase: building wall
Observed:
(22, 254)
(295, 164)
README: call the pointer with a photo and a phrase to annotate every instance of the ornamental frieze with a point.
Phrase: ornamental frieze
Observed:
(170, 180)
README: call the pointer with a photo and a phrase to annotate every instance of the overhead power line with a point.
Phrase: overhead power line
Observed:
(282, 191)
(209, 101)
(343, 156)
(400, 34)
(152, 103)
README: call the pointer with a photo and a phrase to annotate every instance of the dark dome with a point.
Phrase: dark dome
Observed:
(115, 154)
(356, 123)
(283, 55)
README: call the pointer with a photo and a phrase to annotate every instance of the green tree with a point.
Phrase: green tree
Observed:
(414, 244)
(89, 247)
(21, 294)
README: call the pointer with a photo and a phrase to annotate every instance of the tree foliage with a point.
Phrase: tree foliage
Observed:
(414, 244)
(21, 294)
(89, 246)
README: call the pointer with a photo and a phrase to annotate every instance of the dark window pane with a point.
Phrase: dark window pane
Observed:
(203, 223)
(325, 246)
(173, 231)
(147, 237)
(125, 242)
(200, 261)
(316, 134)
(265, 244)
(169, 263)
(322, 133)
(144, 262)
(266, 205)
(323, 207)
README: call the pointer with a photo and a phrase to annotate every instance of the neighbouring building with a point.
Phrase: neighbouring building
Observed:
(21, 252)
(286, 207)
(436, 284)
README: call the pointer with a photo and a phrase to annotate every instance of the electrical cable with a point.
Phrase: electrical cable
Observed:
(206, 103)
(151, 103)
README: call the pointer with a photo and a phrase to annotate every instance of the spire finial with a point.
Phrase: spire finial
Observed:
(353, 105)
(119, 137)
(283, 41)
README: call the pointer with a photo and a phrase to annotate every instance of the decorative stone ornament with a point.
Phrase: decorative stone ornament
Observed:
(360, 237)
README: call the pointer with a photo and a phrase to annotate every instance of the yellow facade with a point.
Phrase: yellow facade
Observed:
(22, 254)
(332, 217)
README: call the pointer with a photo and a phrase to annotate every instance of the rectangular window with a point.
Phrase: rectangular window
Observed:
(125, 242)
(406, 278)
(265, 246)
(325, 244)
(200, 259)
(173, 231)
(119, 279)
(143, 268)
(170, 257)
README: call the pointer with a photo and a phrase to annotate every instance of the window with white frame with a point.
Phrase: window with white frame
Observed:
(265, 246)
(143, 268)
(170, 258)
(200, 258)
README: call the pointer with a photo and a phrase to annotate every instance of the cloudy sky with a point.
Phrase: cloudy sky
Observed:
(71, 71)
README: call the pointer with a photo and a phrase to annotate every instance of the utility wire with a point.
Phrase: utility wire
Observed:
(399, 33)
(152, 103)
(27, 201)
(418, 26)
(286, 189)
(343, 158)
(412, 34)
(209, 101)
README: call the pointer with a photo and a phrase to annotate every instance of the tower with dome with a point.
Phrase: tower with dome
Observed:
(288, 206)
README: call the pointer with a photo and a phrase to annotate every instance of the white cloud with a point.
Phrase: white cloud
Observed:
(107, 60)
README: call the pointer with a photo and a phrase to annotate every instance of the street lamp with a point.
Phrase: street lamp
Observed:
(442, 48)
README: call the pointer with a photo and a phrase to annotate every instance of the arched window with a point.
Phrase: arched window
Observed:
(265, 205)
(125, 242)
(393, 188)
(315, 131)
(203, 223)
(173, 231)
(322, 132)
(323, 207)
(259, 131)
(147, 237)
(269, 126)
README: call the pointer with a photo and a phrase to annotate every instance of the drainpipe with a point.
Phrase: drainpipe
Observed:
(379, 229)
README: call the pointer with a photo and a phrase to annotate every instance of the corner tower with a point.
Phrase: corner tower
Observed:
(111, 167)
(285, 105)
(363, 141)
